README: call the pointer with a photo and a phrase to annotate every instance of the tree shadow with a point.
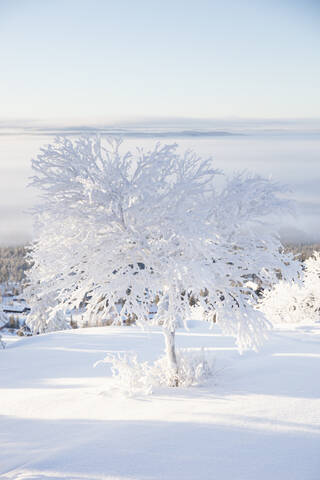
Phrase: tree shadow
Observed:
(35, 449)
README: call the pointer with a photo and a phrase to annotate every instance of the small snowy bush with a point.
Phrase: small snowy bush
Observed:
(132, 377)
(295, 302)
(283, 303)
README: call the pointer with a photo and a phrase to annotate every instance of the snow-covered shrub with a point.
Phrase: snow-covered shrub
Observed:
(296, 301)
(132, 377)
(283, 303)
(129, 227)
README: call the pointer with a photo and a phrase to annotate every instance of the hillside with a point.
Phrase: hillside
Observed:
(257, 419)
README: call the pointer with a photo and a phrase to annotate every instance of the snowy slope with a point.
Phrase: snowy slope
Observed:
(258, 419)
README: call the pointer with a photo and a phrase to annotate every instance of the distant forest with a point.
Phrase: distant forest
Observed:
(302, 251)
(13, 263)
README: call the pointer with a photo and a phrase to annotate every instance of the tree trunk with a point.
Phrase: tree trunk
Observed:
(169, 335)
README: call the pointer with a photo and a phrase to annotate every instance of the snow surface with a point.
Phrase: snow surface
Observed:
(259, 418)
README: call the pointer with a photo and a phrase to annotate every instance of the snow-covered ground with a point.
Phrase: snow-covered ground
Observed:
(259, 419)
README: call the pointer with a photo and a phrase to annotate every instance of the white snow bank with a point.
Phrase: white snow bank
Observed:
(258, 419)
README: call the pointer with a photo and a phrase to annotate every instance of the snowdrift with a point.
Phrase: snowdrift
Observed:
(257, 418)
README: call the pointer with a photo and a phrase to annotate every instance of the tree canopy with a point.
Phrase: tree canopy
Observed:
(152, 225)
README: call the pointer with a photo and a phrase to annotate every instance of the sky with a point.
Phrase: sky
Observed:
(90, 61)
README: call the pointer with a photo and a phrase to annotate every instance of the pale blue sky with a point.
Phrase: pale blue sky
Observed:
(100, 60)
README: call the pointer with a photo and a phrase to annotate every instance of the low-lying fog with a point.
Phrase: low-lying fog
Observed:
(292, 159)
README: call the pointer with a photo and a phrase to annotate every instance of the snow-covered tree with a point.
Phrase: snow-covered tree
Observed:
(295, 301)
(282, 303)
(156, 226)
(3, 321)
(311, 285)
